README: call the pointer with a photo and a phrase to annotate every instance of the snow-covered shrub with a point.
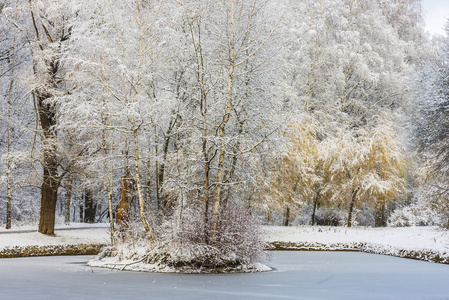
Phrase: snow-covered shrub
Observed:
(185, 242)
(131, 244)
(414, 215)
(188, 243)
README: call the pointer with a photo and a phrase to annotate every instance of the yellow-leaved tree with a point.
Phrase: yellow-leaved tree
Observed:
(294, 176)
(365, 167)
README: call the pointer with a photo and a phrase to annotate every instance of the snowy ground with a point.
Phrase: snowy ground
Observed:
(74, 234)
(404, 242)
(409, 238)
(423, 243)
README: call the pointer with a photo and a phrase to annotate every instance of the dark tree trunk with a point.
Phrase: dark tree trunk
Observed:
(315, 205)
(230, 174)
(165, 204)
(380, 219)
(205, 200)
(287, 216)
(351, 207)
(51, 181)
(127, 191)
(89, 207)
(47, 117)
(48, 206)
(81, 212)
(68, 198)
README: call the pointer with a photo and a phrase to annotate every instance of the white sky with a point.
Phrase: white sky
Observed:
(436, 12)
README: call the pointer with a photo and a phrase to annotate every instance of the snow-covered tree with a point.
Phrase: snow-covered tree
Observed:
(431, 123)
(16, 138)
(48, 31)
(116, 86)
(295, 177)
(348, 64)
(345, 62)
(365, 167)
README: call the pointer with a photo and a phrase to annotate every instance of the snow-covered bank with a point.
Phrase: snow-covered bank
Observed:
(423, 243)
(73, 239)
(51, 250)
(58, 227)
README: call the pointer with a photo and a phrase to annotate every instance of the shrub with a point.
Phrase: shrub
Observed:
(414, 215)
(185, 242)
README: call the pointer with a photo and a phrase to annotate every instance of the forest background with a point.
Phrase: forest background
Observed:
(297, 112)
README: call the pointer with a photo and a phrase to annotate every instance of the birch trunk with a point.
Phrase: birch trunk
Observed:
(138, 184)
(221, 128)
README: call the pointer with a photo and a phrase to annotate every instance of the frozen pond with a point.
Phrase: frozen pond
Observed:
(297, 275)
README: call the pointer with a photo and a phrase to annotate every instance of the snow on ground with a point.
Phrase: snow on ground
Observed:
(411, 238)
(407, 238)
(72, 225)
(425, 243)
(74, 234)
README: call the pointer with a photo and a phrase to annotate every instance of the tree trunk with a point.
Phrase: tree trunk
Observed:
(380, 219)
(8, 202)
(269, 216)
(68, 197)
(48, 121)
(218, 190)
(81, 212)
(109, 177)
(200, 76)
(89, 207)
(9, 162)
(207, 161)
(221, 127)
(315, 205)
(127, 193)
(165, 205)
(230, 174)
(158, 189)
(205, 202)
(51, 180)
(50, 183)
(49, 193)
(351, 207)
(148, 190)
(8, 171)
(287, 216)
(138, 184)
(111, 213)
(160, 180)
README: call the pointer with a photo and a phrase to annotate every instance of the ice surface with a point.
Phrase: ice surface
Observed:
(297, 275)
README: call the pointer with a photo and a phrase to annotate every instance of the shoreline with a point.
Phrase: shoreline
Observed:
(93, 249)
